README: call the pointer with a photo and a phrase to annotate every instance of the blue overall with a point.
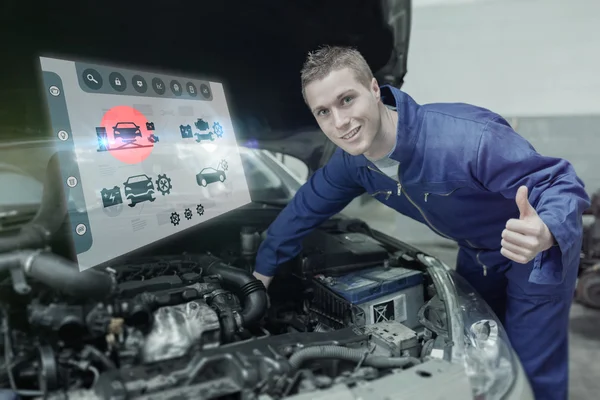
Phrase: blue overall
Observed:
(460, 168)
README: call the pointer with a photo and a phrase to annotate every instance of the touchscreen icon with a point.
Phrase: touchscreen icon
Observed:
(175, 218)
(81, 229)
(111, 197)
(158, 85)
(139, 188)
(191, 89)
(117, 81)
(176, 88)
(205, 91)
(92, 79)
(54, 91)
(186, 131)
(211, 175)
(163, 184)
(139, 84)
(218, 129)
(72, 181)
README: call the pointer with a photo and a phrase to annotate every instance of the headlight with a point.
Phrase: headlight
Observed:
(488, 356)
(484, 348)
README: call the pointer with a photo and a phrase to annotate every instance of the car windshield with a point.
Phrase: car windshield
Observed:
(139, 178)
(126, 125)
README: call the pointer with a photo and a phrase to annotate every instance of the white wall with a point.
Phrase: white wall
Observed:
(516, 57)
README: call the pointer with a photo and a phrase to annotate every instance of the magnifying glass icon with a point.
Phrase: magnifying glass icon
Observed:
(91, 78)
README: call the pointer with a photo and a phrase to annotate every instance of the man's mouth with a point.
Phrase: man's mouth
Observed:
(351, 134)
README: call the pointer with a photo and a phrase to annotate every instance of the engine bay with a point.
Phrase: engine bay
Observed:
(352, 307)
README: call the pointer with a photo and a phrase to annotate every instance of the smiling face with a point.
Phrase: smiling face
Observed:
(346, 110)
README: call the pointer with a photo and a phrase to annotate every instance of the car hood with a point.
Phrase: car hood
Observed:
(255, 48)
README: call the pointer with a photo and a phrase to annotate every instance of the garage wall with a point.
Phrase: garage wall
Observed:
(536, 62)
(517, 57)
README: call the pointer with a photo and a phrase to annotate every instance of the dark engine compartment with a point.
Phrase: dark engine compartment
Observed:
(197, 324)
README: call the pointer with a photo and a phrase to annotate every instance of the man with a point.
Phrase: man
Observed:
(515, 214)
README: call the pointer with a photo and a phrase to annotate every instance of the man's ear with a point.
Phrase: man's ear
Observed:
(375, 89)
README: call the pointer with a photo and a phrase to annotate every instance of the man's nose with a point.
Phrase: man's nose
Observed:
(340, 119)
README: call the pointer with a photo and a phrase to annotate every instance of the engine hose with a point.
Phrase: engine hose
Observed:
(344, 353)
(251, 291)
(60, 274)
(49, 218)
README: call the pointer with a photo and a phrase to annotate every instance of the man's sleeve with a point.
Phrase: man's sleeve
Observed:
(506, 161)
(325, 194)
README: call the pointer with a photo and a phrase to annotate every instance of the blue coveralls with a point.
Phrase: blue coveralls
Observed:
(460, 168)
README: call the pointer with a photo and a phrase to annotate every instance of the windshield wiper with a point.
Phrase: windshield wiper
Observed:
(272, 203)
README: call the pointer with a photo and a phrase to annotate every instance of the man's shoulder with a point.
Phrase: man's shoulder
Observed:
(443, 118)
(464, 114)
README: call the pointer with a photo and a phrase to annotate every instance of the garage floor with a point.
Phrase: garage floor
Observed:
(585, 323)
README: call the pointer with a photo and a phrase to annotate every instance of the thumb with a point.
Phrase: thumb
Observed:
(525, 209)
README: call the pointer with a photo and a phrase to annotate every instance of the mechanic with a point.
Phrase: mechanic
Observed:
(462, 170)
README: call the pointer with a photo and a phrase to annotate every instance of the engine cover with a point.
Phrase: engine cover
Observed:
(177, 328)
(336, 253)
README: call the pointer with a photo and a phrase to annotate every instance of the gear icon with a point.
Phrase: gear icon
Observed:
(218, 129)
(188, 214)
(163, 183)
(224, 165)
(175, 218)
(200, 209)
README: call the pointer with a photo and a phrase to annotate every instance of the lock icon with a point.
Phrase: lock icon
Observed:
(117, 82)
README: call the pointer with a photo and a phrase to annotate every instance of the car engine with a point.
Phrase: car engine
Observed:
(201, 326)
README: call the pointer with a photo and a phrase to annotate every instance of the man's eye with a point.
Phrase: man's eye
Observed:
(347, 99)
(321, 112)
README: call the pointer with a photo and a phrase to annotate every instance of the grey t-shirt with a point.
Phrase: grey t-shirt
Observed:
(386, 164)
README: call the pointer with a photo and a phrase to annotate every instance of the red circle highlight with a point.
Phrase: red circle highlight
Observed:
(127, 134)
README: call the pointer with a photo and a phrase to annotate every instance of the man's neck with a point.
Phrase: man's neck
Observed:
(385, 140)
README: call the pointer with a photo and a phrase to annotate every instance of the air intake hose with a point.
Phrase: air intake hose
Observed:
(251, 291)
(60, 274)
(353, 355)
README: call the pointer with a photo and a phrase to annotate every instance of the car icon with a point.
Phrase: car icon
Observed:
(139, 188)
(127, 131)
(210, 175)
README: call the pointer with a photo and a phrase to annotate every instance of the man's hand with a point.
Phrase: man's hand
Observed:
(526, 237)
(266, 280)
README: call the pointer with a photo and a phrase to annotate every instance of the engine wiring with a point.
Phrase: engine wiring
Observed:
(8, 360)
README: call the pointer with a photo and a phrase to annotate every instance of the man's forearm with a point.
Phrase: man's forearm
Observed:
(325, 193)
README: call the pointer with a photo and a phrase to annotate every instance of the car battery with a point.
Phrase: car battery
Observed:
(370, 296)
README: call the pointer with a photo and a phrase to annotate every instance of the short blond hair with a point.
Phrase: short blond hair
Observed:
(326, 59)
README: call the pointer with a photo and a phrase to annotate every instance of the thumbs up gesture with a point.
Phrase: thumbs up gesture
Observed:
(527, 236)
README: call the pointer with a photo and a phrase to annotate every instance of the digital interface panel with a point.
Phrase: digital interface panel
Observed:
(143, 155)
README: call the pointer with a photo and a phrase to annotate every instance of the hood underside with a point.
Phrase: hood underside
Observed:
(255, 48)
